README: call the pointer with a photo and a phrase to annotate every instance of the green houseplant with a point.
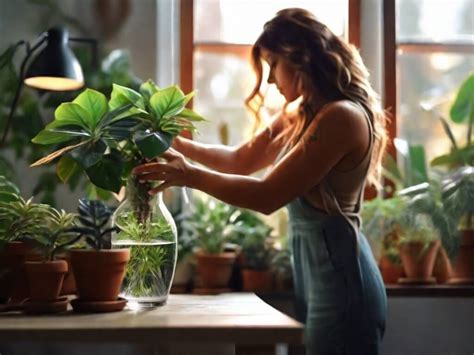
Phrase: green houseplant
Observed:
(98, 270)
(210, 227)
(107, 139)
(253, 236)
(381, 217)
(458, 195)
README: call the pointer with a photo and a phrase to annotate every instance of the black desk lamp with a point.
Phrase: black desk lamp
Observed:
(55, 68)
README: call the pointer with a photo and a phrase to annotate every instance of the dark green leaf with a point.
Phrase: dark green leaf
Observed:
(152, 144)
(107, 173)
(89, 154)
(66, 168)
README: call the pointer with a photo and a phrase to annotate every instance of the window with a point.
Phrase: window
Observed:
(434, 54)
(222, 74)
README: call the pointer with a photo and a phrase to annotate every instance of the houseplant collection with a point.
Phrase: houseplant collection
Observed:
(106, 140)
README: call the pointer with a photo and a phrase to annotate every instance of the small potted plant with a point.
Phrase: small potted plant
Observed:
(458, 196)
(209, 223)
(253, 236)
(50, 236)
(98, 270)
(381, 217)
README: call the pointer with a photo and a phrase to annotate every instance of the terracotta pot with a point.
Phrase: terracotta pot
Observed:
(45, 279)
(390, 272)
(99, 273)
(418, 260)
(13, 281)
(69, 282)
(257, 280)
(442, 269)
(215, 269)
(463, 264)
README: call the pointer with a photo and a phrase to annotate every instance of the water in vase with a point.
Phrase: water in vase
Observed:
(149, 273)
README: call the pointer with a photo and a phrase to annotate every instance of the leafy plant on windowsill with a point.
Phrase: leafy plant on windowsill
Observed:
(461, 111)
(253, 235)
(209, 225)
(106, 140)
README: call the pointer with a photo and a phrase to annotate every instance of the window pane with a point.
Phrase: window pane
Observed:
(435, 20)
(430, 78)
(222, 82)
(223, 20)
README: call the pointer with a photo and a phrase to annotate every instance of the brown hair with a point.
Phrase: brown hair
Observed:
(328, 66)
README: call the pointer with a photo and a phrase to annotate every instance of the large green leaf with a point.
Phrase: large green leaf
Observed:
(167, 100)
(152, 144)
(66, 167)
(463, 106)
(107, 173)
(89, 154)
(122, 96)
(51, 137)
(191, 115)
(417, 170)
(73, 113)
(148, 88)
(95, 103)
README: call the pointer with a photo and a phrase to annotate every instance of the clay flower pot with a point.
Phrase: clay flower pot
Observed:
(99, 273)
(418, 261)
(13, 281)
(463, 264)
(257, 280)
(215, 269)
(390, 272)
(442, 270)
(45, 279)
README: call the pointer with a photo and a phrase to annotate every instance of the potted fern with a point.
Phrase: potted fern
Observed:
(107, 139)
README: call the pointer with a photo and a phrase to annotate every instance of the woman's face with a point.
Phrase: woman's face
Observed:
(282, 75)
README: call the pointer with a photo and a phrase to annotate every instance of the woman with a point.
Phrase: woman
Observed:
(320, 158)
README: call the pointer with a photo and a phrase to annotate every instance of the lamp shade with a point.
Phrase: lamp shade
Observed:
(56, 67)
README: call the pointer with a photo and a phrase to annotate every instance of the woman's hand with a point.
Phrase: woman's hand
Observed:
(175, 172)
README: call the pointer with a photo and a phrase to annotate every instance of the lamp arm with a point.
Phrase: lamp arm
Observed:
(93, 43)
(19, 87)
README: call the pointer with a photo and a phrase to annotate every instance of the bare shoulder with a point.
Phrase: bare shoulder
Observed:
(343, 118)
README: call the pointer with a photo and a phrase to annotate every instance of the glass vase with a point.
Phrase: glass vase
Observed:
(148, 229)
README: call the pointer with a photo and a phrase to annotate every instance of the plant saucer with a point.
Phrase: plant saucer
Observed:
(46, 307)
(98, 306)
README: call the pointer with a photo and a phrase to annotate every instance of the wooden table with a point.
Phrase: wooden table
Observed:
(240, 319)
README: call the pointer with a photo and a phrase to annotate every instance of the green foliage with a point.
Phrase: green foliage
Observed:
(418, 228)
(94, 223)
(382, 224)
(281, 262)
(209, 225)
(458, 195)
(41, 225)
(103, 138)
(462, 111)
(253, 235)
(132, 229)
(32, 113)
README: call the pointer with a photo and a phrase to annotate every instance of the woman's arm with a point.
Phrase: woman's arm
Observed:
(245, 159)
(340, 131)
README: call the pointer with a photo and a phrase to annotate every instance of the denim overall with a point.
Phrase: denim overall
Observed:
(340, 295)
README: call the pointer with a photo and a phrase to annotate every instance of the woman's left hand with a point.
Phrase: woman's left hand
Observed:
(175, 172)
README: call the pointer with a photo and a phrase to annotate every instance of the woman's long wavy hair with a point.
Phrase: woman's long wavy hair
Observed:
(327, 66)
